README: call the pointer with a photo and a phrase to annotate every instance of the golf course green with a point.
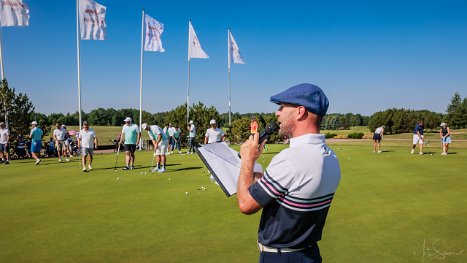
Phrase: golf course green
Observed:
(389, 207)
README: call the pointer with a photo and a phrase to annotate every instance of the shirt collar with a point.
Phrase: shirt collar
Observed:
(307, 139)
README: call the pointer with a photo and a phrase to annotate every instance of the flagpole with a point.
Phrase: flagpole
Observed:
(79, 62)
(1, 55)
(141, 79)
(189, 81)
(228, 67)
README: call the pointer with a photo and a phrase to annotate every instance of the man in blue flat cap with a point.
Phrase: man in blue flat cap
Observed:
(297, 188)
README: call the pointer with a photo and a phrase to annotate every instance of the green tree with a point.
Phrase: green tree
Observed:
(15, 109)
(455, 115)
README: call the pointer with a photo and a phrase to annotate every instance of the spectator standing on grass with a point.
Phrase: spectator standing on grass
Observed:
(177, 134)
(87, 142)
(59, 135)
(4, 138)
(377, 137)
(36, 141)
(130, 136)
(213, 134)
(298, 186)
(418, 137)
(445, 134)
(160, 142)
(192, 137)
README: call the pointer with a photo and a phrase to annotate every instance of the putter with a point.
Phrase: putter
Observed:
(118, 152)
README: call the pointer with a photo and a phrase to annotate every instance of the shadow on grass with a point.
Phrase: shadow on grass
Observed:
(188, 168)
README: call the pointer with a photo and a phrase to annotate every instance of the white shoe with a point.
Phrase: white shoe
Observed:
(59, 160)
(421, 153)
(155, 170)
(179, 152)
(38, 161)
(89, 167)
(379, 151)
(67, 159)
(161, 170)
(444, 153)
(411, 152)
(172, 152)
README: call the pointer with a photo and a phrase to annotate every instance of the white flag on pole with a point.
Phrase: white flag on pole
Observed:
(92, 20)
(235, 54)
(14, 13)
(154, 30)
(194, 47)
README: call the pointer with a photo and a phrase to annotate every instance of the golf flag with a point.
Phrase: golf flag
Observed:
(234, 51)
(14, 13)
(92, 20)
(154, 31)
(194, 47)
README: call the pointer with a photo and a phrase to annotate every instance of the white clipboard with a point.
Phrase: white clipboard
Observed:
(224, 164)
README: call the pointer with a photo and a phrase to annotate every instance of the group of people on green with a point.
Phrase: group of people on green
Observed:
(417, 138)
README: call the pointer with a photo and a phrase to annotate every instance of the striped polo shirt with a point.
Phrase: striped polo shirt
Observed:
(295, 192)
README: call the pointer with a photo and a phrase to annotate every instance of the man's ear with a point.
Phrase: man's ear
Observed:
(302, 113)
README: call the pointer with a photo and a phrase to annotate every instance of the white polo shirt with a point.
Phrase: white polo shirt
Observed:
(295, 192)
(171, 131)
(4, 133)
(87, 138)
(60, 134)
(214, 135)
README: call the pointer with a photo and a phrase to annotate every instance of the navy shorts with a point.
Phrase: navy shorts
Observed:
(130, 148)
(377, 137)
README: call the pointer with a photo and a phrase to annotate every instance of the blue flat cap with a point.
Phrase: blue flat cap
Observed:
(307, 95)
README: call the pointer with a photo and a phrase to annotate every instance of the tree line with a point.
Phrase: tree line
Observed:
(19, 111)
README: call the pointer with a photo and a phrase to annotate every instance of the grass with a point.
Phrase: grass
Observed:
(387, 205)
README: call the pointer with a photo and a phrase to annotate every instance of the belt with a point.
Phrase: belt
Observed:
(263, 248)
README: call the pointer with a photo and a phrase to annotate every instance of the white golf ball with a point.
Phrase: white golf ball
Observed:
(145, 173)
(170, 179)
(186, 193)
(431, 154)
(118, 179)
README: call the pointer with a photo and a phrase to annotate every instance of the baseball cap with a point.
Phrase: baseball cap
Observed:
(34, 123)
(191, 122)
(212, 121)
(307, 95)
(127, 119)
(144, 125)
(2, 123)
(63, 126)
(85, 123)
(443, 124)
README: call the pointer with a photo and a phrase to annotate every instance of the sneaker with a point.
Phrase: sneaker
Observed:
(161, 170)
(421, 153)
(188, 152)
(67, 159)
(444, 153)
(89, 167)
(84, 170)
(379, 151)
(126, 168)
(7, 162)
(38, 161)
(155, 170)
(374, 151)
(411, 152)
(132, 167)
(59, 160)
(179, 152)
(172, 152)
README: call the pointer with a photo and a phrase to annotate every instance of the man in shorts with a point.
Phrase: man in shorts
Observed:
(130, 137)
(87, 142)
(4, 138)
(59, 138)
(159, 140)
(418, 137)
(36, 141)
(377, 137)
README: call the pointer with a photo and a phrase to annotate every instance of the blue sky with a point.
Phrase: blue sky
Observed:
(366, 55)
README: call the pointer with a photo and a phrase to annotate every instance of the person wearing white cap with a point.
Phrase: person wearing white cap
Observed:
(130, 136)
(213, 134)
(192, 137)
(4, 138)
(445, 134)
(59, 136)
(159, 141)
(36, 141)
(87, 142)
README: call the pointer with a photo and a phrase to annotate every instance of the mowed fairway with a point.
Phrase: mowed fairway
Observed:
(386, 208)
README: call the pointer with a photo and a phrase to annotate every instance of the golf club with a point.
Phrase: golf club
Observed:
(118, 152)
(152, 162)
